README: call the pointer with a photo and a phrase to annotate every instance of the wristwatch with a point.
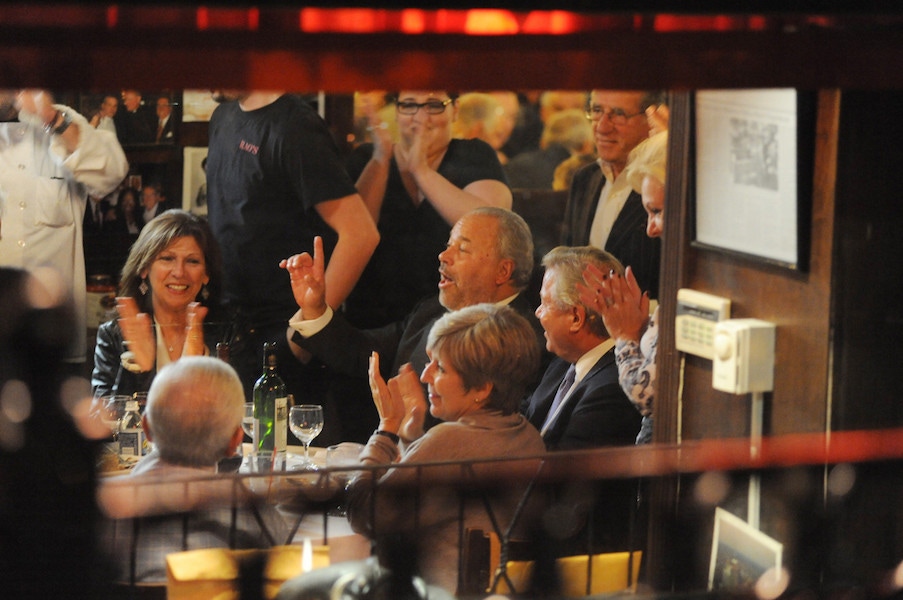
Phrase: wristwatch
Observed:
(54, 129)
(392, 436)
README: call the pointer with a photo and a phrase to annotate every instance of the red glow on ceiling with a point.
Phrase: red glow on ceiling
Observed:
(342, 20)
(491, 22)
(664, 23)
(444, 21)
(555, 22)
(228, 18)
(112, 16)
(412, 21)
(203, 18)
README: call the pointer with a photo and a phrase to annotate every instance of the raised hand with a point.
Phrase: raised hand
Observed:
(35, 107)
(412, 154)
(137, 332)
(658, 117)
(379, 133)
(415, 404)
(386, 397)
(308, 280)
(623, 305)
(194, 330)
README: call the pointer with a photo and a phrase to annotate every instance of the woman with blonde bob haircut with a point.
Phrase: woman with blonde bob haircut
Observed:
(488, 346)
(481, 360)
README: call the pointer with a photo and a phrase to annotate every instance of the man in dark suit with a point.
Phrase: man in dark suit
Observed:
(136, 123)
(578, 403)
(96, 215)
(153, 201)
(489, 258)
(602, 209)
(166, 127)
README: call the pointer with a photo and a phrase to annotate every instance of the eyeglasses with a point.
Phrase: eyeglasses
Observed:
(616, 115)
(433, 107)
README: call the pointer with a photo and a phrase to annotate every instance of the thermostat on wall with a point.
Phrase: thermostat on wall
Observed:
(697, 314)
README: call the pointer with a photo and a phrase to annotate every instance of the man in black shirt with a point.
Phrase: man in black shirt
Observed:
(274, 182)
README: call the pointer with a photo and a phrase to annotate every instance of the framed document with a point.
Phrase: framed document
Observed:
(753, 176)
(198, 105)
(741, 554)
(194, 181)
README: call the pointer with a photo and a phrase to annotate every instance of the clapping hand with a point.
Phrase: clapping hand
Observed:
(658, 117)
(415, 404)
(623, 306)
(137, 332)
(307, 274)
(194, 330)
(386, 397)
(35, 107)
(401, 403)
(411, 154)
(379, 133)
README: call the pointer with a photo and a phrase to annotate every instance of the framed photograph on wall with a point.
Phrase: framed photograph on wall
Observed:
(753, 178)
(197, 105)
(139, 118)
(741, 554)
(194, 180)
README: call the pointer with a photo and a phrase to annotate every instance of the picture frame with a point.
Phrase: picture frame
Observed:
(741, 554)
(754, 152)
(197, 105)
(194, 180)
(138, 129)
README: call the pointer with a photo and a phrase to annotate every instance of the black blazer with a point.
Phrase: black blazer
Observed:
(627, 241)
(110, 377)
(597, 413)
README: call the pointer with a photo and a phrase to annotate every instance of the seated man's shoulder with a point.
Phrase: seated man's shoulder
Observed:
(425, 311)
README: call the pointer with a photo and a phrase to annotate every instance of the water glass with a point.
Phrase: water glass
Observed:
(306, 422)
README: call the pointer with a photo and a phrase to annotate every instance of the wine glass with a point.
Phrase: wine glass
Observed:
(112, 409)
(247, 422)
(306, 422)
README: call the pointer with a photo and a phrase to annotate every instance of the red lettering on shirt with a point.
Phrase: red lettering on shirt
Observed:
(247, 147)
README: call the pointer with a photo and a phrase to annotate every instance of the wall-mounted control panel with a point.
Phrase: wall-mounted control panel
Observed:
(744, 356)
(697, 314)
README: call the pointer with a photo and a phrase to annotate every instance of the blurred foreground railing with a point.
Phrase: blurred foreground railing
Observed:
(833, 502)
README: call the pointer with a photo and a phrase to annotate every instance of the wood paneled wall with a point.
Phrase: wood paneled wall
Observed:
(799, 303)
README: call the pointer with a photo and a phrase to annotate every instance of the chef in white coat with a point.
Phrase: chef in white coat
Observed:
(50, 160)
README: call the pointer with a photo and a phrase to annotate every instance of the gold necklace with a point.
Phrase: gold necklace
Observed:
(169, 345)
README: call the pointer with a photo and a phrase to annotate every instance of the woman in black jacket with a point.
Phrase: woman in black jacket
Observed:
(168, 304)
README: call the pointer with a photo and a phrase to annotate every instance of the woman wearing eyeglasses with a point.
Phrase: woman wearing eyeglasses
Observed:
(416, 188)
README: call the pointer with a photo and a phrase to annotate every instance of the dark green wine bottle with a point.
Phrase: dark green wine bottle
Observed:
(270, 409)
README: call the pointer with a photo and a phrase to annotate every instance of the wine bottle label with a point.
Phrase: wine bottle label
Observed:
(281, 424)
(132, 442)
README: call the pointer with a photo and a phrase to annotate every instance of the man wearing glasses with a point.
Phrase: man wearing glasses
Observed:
(602, 209)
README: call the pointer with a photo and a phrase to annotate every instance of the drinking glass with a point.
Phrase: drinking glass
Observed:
(247, 422)
(247, 425)
(112, 409)
(306, 422)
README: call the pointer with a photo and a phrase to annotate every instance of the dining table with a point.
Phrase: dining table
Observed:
(310, 496)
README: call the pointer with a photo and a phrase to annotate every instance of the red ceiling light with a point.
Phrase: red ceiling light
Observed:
(490, 22)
